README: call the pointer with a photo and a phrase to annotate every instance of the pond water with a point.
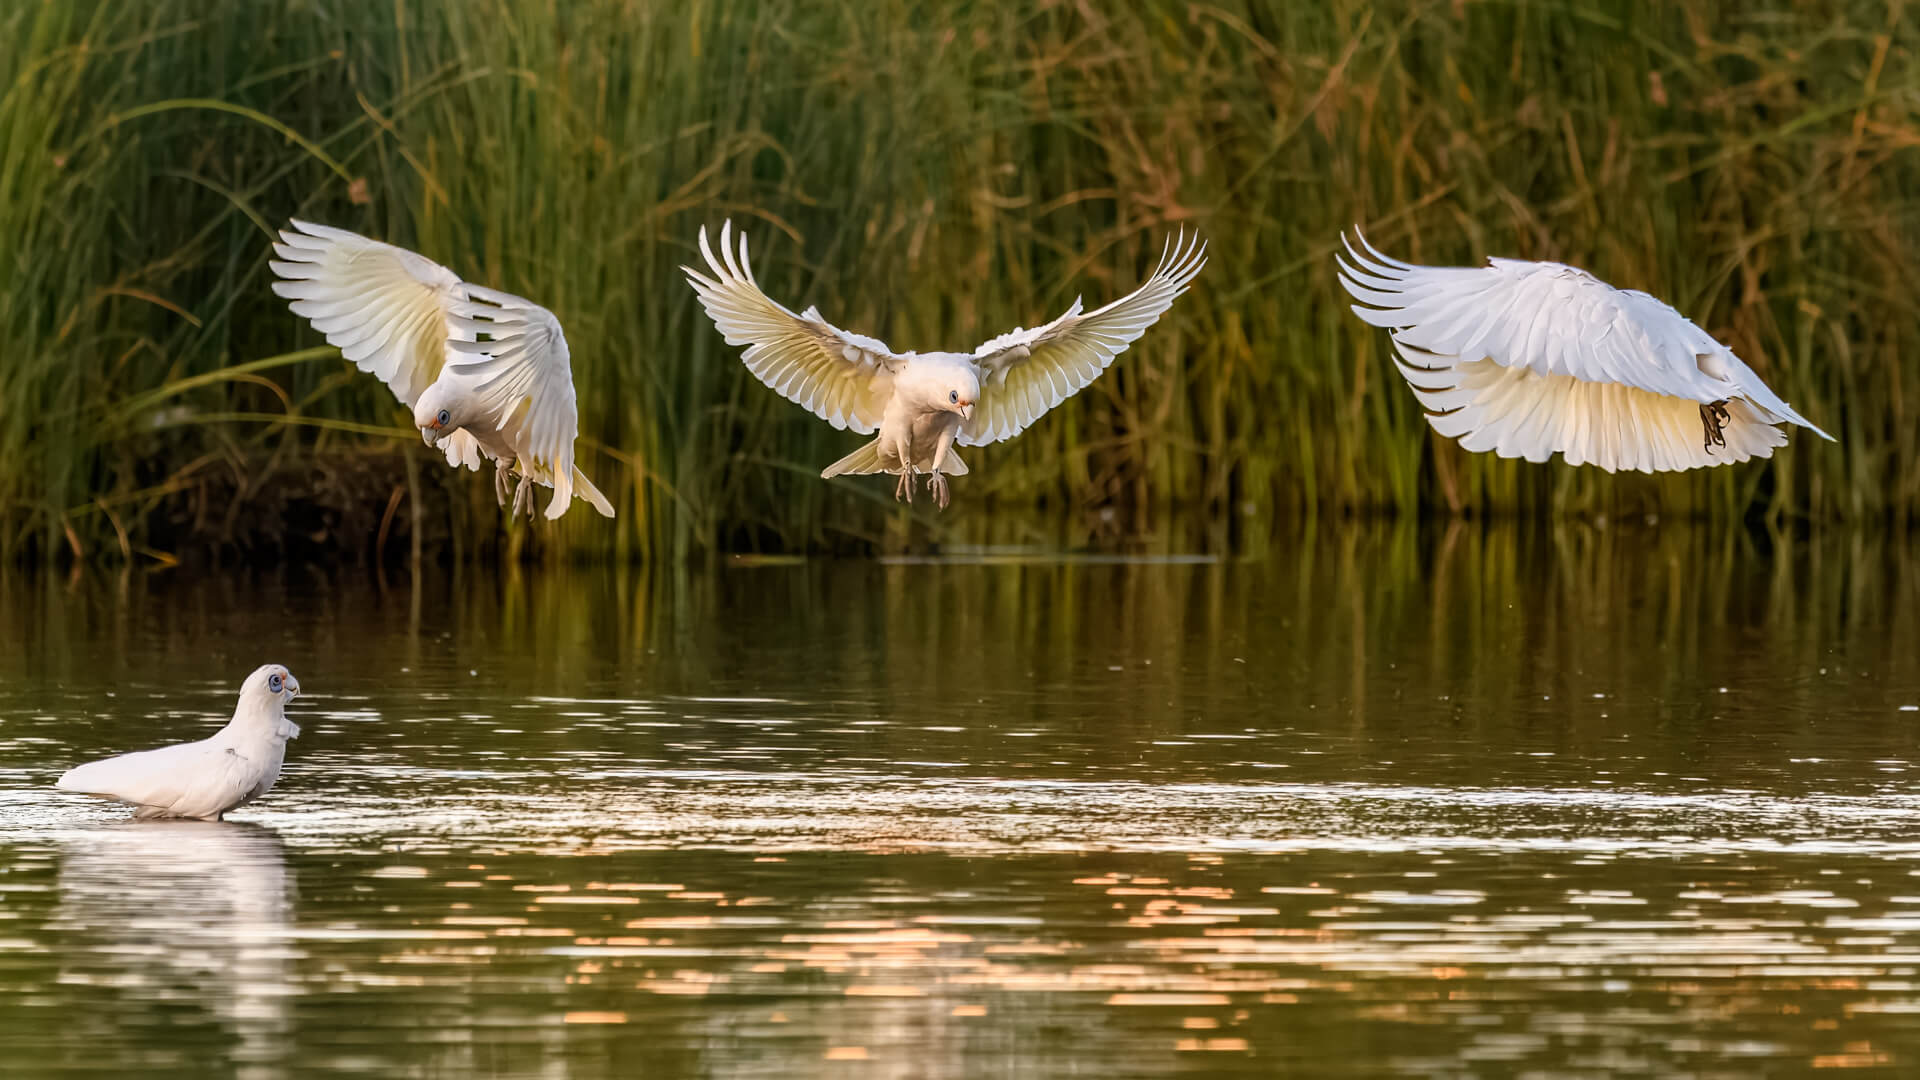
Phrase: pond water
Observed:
(1433, 803)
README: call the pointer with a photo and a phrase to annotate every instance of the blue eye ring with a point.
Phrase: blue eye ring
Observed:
(274, 683)
(445, 418)
(953, 396)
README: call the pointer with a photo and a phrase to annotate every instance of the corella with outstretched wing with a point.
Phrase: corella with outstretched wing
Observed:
(507, 397)
(1529, 359)
(205, 779)
(919, 406)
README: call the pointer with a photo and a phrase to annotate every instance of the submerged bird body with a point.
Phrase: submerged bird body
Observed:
(412, 322)
(1529, 359)
(921, 406)
(205, 779)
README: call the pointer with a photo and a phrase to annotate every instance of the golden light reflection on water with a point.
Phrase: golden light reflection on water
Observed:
(1461, 805)
(1157, 965)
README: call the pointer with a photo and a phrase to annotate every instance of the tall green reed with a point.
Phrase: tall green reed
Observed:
(932, 173)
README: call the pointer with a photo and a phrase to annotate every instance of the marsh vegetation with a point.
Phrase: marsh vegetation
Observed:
(930, 173)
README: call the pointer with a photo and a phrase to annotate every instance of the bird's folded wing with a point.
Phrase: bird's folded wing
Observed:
(384, 307)
(525, 379)
(169, 777)
(1023, 373)
(1547, 317)
(843, 378)
(229, 779)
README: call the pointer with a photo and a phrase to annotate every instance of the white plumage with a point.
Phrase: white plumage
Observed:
(923, 404)
(416, 325)
(204, 779)
(1529, 359)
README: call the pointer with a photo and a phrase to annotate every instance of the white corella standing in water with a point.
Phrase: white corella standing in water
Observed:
(204, 779)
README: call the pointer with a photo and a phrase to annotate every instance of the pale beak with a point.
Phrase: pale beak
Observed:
(430, 434)
(292, 686)
(966, 411)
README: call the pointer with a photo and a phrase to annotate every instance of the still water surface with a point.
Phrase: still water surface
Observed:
(1396, 803)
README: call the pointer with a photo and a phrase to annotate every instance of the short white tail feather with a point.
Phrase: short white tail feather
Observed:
(867, 460)
(864, 460)
(584, 488)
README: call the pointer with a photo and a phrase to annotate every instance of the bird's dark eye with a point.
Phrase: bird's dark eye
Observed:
(273, 682)
(953, 396)
(445, 418)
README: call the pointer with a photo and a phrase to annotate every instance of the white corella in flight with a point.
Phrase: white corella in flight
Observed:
(204, 779)
(417, 326)
(920, 406)
(1529, 359)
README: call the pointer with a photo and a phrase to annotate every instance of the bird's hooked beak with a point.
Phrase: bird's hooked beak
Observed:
(291, 685)
(966, 410)
(430, 432)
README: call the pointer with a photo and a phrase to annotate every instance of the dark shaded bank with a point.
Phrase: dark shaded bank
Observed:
(389, 505)
(383, 509)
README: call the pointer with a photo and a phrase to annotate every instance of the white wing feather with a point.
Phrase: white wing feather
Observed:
(461, 448)
(1024, 373)
(1528, 359)
(386, 308)
(197, 779)
(525, 380)
(843, 378)
(1515, 413)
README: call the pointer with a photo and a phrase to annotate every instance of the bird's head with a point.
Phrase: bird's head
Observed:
(263, 700)
(959, 391)
(270, 684)
(436, 414)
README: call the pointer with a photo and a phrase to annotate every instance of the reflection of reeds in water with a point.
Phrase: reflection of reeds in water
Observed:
(932, 177)
(1689, 598)
(1486, 616)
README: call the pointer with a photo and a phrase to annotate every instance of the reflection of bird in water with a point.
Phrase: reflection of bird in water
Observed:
(183, 913)
(204, 779)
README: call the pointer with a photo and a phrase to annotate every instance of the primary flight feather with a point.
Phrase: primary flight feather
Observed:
(416, 325)
(205, 779)
(919, 406)
(1529, 359)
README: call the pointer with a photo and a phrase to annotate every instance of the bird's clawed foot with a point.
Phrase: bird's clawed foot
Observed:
(937, 484)
(523, 497)
(904, 489)
(502, 482)
(1714, 417)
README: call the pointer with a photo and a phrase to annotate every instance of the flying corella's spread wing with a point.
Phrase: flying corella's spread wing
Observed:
(1528, 359)
(843, 378)
(384, 307)
(387, 309)
(524, 379)
(1024, 373)
(1515, 413)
